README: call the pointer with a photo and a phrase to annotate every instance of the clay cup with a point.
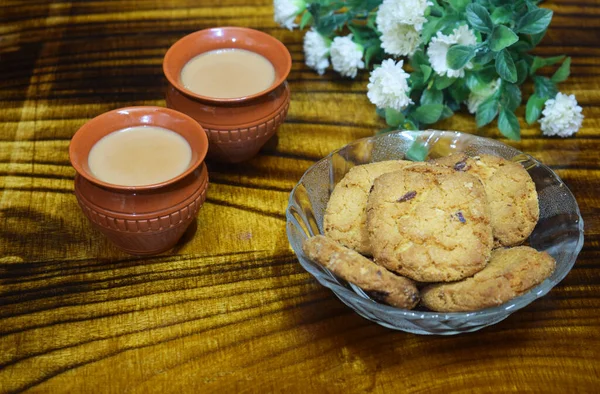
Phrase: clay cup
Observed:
(236, 127)
(147, 219)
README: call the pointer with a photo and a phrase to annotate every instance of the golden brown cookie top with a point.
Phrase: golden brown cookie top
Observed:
(429, 223)
(345, 217)
(510, 191)
(509, 273)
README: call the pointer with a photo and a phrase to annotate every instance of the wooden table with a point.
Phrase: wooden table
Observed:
(230, 309)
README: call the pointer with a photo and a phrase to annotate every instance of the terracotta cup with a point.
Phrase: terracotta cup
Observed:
(141, 219)
(236, 127)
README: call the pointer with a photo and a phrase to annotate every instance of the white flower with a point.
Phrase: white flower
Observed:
(346, 56)
(561, 116)
(400, 40)
(478, 96)
(388, 86)
(438, 49)
(285, 12)
(316, 51)
(408, 12)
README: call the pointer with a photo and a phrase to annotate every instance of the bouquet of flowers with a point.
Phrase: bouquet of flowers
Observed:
(472, 52)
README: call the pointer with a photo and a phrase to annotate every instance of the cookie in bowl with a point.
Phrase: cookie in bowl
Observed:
(431, 224)
(509, 273)
(355, 268)
(345, 219)
(558, 232)
(510, 191)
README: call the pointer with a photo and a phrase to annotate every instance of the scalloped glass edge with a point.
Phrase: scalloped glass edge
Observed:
(429, 138)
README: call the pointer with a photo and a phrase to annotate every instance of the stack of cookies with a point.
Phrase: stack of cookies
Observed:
(445, 233)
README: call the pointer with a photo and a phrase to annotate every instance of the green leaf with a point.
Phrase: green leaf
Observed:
(459, 91)
(372, 21)
(419, 58)
(452, 105)
(442, 82)
(409, 125)
(544, 87)
(449, 22)
(487, 111)
(488, 74)
(430, 28)
(459, 5)
(426, 72)
(505, 66)
(363, 35)
(510, 96)
(393, 118)
(380, 112)
(539, 62)
(474, 83)
(479, 18)
(428, 113)
(373, 52)
(534, 108)
(306, 19)
(315, 11)
(535, 21)
(502, 15)
(563, 71)
(417, 151)
(483, 57)
(509, 124)
(522, 71)
(536, 38)
(432, 96)
(446, 113)
(363, 5)
(459, 55)
(330, 23)
(522, 45)
(502, 37)
(416, 81)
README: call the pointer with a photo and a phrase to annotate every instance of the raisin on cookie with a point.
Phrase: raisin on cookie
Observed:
(429, 223)
(345, 216)
(353, 267)
(510, 272)
(510, 191)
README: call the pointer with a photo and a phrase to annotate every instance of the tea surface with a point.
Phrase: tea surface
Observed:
(228, 73)
(140, 155)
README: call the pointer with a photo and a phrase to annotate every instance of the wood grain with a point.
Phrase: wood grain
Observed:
(230, 309)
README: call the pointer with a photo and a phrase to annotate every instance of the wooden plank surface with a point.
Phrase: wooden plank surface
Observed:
(230, 309)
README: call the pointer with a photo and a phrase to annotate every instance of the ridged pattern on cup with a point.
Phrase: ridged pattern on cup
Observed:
(261, 130)
(159, 223)
(151, 233)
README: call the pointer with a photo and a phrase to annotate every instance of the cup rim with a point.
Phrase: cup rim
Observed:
(174, 80)
(141, 110)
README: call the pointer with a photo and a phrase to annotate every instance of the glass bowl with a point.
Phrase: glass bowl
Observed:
(559, 230)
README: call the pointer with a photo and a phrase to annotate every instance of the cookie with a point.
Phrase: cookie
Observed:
(511, 194)
(510, 273)
(355, 268)
(345, 217)
(429, 223)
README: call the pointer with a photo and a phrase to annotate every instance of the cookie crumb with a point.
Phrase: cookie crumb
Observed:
(408, 196)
